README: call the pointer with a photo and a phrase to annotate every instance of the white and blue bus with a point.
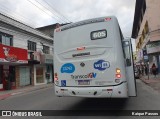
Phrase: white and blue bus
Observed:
(92, 59)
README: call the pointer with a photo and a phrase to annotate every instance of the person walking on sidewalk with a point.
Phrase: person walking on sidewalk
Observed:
(154, 69)
(146, 70)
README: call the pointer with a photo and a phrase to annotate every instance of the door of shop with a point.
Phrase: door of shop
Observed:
(12, 74)
(24, 76)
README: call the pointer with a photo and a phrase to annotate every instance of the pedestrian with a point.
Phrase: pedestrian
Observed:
(142, 70)
(146, 70)
(154, 69)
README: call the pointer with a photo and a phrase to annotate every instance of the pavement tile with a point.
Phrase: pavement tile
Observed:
(7, 93)
(152, 81)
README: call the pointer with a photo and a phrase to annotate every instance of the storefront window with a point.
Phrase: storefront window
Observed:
(39, 75)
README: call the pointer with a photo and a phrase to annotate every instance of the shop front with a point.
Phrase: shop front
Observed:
(153, 50)
(10, 58)
(43, 71)
(47, 60)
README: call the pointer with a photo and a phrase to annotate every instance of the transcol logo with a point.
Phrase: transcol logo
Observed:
(101, 65)
(90, 75)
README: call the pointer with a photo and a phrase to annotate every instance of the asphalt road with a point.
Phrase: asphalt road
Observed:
(44, 99)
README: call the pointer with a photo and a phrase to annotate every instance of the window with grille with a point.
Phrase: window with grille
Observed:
(6, 39)
(45, 49)
(31, 45)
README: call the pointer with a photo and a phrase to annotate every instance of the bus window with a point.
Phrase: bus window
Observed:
(126, 46)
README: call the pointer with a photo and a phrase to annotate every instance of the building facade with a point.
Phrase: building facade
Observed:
(30, 51)
(146, 31)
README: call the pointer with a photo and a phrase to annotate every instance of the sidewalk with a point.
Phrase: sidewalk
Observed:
(7, 93)
(152, 81)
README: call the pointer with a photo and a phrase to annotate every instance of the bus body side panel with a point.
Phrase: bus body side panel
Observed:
(130, 77)
(119, 62)
(129, 72)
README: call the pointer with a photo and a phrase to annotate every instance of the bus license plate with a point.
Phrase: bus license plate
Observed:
(83, 82)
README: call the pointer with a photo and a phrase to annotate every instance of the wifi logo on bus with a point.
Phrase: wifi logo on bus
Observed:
(101, 65)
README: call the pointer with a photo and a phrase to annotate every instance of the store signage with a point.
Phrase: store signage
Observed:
(13, 54)
(46, 59)
(153, 47)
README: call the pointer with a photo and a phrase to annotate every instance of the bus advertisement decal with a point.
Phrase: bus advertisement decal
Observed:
(101, 65)
(90, 75)
(68, 68)
(63, 83)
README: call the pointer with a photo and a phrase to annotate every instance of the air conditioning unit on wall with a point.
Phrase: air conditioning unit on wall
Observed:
(37, 56)
(34, 55)
(30, 55)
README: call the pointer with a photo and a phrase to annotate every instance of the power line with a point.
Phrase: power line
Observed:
(43, 11)
(12, 15)
(21, 26)
(28, 37)
(56, 10)
(51, 11)
(3, 8)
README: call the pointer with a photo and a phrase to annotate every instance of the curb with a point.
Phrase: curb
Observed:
(4, 96)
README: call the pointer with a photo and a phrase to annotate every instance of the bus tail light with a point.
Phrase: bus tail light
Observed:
(118, 73)
(55, 77)
(56, 82)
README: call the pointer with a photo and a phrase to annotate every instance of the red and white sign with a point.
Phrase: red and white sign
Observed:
(13, 54)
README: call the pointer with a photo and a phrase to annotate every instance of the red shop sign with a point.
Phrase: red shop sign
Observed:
(13, 54)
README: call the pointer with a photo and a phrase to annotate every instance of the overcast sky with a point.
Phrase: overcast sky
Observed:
(39, 13)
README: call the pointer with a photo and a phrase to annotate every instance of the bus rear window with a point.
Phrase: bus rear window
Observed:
(98, 34)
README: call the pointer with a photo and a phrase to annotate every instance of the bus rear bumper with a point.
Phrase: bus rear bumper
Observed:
(118, 91)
